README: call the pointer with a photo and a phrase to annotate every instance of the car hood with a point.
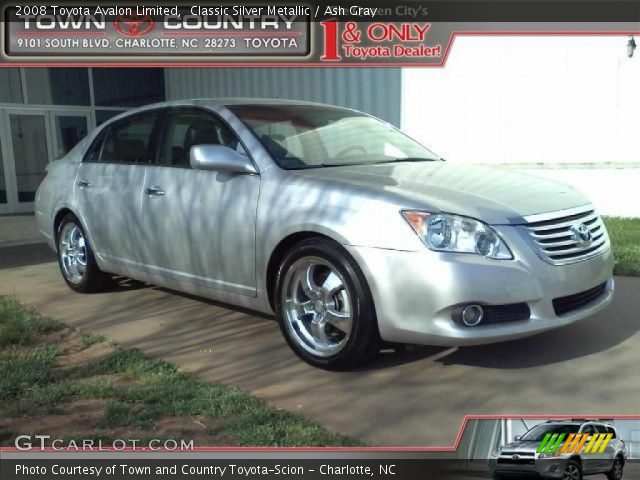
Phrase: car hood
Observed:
(521, 447)
(496, 196)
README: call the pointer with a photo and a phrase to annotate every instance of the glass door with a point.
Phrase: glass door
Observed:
(68, 129)
(30, 147)
(4, 193)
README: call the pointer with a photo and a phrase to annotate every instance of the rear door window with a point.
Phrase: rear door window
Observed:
(128, 141)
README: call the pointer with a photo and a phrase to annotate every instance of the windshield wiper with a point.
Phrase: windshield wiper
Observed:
(409, 159)
(394, 160)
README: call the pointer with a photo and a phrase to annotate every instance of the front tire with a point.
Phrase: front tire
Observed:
(325, 307)
(617, 469)
(572, 471)
(75, 258)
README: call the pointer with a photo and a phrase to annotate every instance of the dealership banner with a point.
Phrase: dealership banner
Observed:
(286, 34)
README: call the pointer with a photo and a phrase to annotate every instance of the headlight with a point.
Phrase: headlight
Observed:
(495, 452)
(452, 233)
(546, 455)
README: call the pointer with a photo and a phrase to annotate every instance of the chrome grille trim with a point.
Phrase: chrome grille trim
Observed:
(551, 237)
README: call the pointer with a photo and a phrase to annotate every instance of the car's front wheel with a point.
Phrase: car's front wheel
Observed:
(572, 471)
(616, 469)
(325, 307)
(75, 257)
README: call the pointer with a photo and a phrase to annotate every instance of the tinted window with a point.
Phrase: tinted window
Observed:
(612, 431)
(11, 91)
(188, 129)
(538, 432)
(128, 87)
(58, 86)
(589, 429)
(128, 141)
(93, 154)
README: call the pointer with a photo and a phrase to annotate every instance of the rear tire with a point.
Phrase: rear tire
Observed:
(324, 306)
(76, 260)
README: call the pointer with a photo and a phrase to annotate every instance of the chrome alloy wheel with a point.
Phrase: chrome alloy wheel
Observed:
(572, 472)
(72, 249)
(317, 306)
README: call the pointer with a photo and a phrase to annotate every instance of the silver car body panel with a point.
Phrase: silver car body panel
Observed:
(213, 234)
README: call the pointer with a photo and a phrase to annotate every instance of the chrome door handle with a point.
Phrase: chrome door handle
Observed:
(154, 192)
(83, 184)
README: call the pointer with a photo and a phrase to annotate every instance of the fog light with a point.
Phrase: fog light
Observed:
(469, 315)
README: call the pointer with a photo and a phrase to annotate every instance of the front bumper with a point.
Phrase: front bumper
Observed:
(542, 468)
(416, 292)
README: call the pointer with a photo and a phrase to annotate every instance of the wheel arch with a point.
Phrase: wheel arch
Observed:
(57, 218)
(278, 253)
(577, 459)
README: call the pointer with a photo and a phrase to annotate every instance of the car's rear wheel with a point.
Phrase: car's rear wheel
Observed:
(76, 260)
(325, 307)
(617, 469)
(572, 471)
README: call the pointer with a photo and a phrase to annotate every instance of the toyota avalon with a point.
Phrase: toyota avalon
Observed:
(352, 233)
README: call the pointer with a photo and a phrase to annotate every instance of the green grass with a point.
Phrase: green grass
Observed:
(625, 239)
(137, 390)
(88, 339)
(19, 325)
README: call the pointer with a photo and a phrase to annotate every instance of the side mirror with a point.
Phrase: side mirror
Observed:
(220, 158)
(517, 438)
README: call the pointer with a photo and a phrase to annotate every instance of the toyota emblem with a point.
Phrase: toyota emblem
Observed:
(582, 234)
(515, 456)
(134, 25)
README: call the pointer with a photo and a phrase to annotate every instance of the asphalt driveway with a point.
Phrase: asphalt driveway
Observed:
(416, 398)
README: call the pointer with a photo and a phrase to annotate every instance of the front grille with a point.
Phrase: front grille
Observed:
(519, 461)
(505, 313)
(525, 458)
(564, 305)
(556, 241)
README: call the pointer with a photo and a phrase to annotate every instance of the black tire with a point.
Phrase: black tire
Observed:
(92, 279)
(614, 473)
(573, 466)
(363, 342)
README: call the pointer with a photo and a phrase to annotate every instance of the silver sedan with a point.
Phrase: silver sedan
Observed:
(349, 231)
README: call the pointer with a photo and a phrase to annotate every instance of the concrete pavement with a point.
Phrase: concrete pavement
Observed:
(416, 398)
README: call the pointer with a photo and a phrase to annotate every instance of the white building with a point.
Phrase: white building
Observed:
(562, 107)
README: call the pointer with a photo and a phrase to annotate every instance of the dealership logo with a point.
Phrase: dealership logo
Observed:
(134, 25)
(555, 443)
(582, 235)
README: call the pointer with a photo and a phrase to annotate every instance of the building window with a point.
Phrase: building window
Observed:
(11, 91)
(58, 86)
(104, 115)
(128, 87)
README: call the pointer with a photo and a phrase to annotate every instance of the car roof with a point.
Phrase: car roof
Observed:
(218, 102)
(577, 422)
(234, 101)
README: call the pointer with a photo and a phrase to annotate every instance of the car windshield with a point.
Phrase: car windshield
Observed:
(302, 136)
(537, 433)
